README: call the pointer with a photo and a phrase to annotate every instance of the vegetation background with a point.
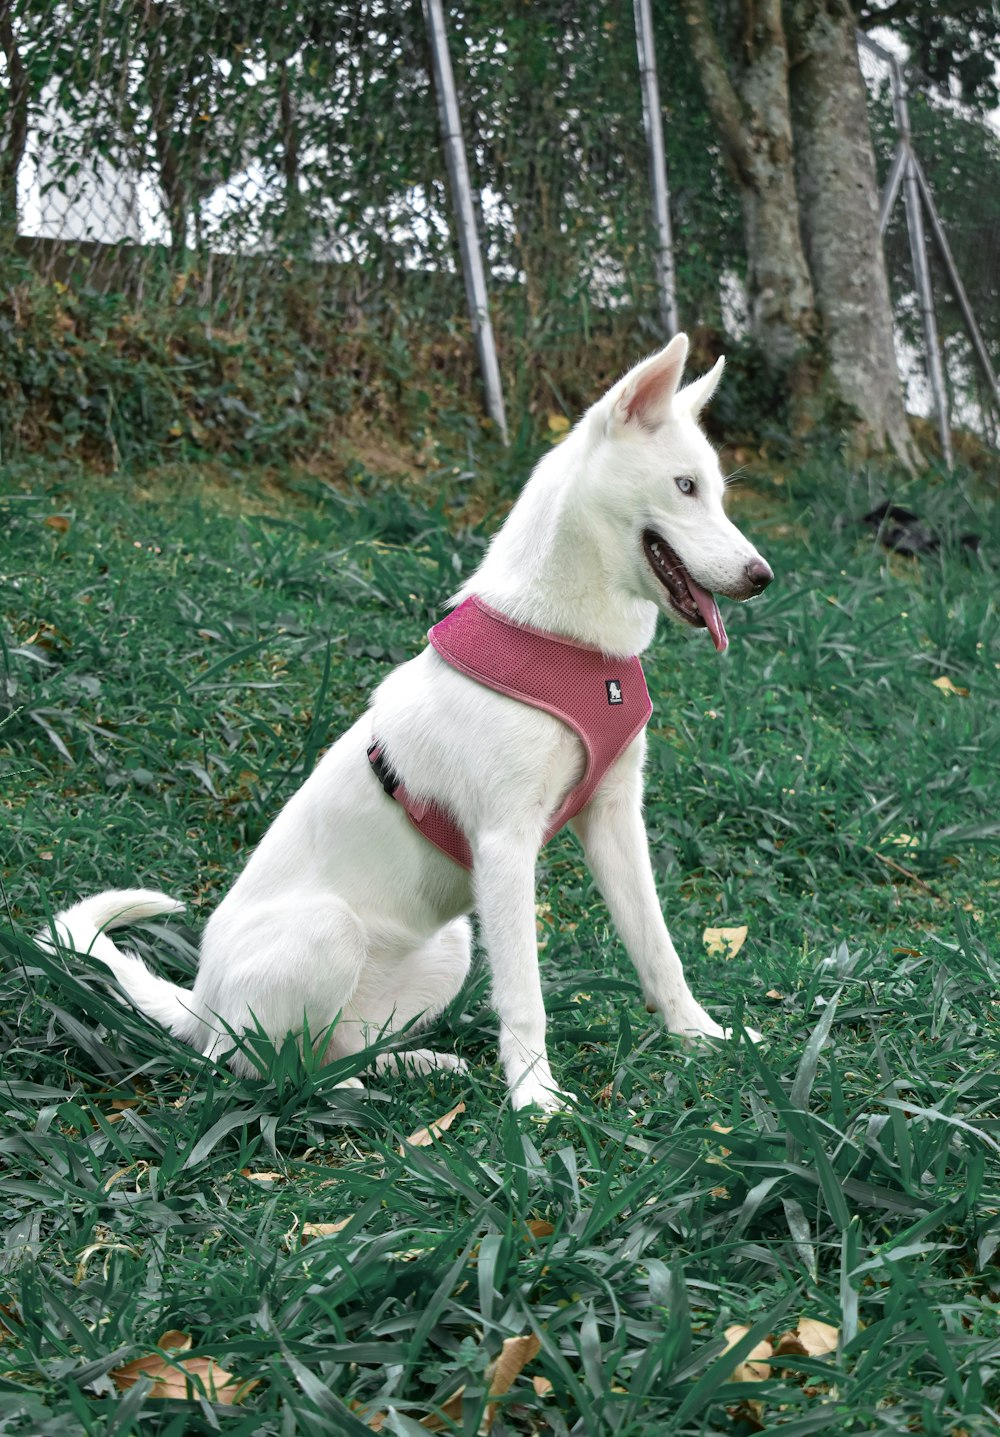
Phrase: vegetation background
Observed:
(243, 466)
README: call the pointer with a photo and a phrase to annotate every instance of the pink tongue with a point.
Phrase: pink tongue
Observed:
(709, 611)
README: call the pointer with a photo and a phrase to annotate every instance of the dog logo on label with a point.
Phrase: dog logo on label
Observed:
(614, 689)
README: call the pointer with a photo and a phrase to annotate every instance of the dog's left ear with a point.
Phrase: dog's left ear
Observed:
(645, 395)
(694, 396)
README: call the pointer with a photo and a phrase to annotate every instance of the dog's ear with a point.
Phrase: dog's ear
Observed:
(645, 395)
(694, 396)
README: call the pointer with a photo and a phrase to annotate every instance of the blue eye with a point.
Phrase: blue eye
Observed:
(685, 484)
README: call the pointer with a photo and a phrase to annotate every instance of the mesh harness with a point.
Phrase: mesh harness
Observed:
(604, 701)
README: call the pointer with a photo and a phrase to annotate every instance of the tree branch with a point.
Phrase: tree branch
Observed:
(723, 101)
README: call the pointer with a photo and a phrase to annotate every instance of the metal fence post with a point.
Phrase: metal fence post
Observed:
(465, 215)
(904, 169)
(659, 190)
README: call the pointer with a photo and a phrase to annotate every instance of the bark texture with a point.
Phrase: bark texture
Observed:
(838, 207)
(747, 93)
(15, 136)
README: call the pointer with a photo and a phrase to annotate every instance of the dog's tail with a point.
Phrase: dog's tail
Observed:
(82, 929)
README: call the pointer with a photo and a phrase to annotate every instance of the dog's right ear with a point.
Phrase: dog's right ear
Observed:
(645, 395)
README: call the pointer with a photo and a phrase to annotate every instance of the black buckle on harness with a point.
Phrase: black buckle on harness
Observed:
(386, 775)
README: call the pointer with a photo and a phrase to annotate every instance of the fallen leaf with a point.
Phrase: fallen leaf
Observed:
(718, 1128)
(558, 423)
(811, 1338)
(261, 1177)
(452, 1410)
(59, 522)
(724, 942)
(539, 1227)
(423, 1137)
(515, 1355)
(754, 1366)
(181, 1379)
(750, 1412)
(946, 686)
(323, 1229)
(542, 1386)
(773, 993)
(818, 1338)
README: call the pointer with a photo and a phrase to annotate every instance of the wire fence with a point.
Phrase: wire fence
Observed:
(957, 150)
(279, 168)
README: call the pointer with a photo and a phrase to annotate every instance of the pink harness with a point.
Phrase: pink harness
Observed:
(604, 701)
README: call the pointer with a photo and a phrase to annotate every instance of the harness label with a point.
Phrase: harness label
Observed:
(614, 689)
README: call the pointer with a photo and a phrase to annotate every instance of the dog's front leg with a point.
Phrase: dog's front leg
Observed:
(504, 869)
(613, 835)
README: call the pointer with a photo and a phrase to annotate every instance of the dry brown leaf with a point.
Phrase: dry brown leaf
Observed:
(542, 1386)
(811, 1338)
(946, 686)
(818, 1338)
(452, 1410)
(515, 1355)
(261, 1177)
(718, 1128)
(724, 942)
(754, 1366)
(423, 1137)
(751, 1413)
(178, 1379)
(59, 522)
(539, 1227)
(773, 993)
(558, 423)
(322, 1229)
(175, 1341)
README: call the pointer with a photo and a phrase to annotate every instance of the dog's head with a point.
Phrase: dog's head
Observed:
(656, 482)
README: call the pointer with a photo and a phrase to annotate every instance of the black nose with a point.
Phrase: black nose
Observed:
(760, 574)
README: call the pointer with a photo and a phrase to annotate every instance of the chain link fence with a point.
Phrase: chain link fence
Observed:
(957, 150)
(238, 196)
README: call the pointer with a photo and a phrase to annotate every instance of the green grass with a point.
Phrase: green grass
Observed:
(170, 672)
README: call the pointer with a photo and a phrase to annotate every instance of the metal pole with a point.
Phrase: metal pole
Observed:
(918, 256)
(659, 191)
(958, 288)
(465, 215)
(892, 185)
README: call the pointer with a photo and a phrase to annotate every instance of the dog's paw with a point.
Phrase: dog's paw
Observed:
(751, 1034)
(531, 1094)
(698, 1027)
(704, 1037)
(421, 1061)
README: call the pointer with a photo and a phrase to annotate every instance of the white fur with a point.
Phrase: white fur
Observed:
(344, 910)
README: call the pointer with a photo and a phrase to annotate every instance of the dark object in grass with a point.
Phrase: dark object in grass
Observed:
(904, 532)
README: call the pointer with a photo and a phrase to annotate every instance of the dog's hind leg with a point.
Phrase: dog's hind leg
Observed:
(407, 993)
(277, 968)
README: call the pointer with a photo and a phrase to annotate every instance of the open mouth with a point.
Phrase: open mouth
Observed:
(695, 605)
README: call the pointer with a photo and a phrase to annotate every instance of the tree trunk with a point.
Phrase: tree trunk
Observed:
(747, 95)
(289, 151)
(15, 136)
(839, 204)
(174, 138)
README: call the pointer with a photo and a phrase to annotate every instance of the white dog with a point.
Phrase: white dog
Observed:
(346, 916)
